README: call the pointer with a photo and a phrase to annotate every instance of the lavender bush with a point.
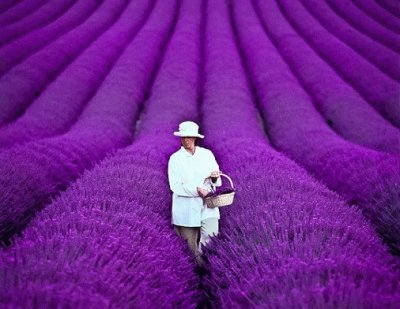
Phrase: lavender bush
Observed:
(150, 266)
(353, 171)
(47, 13)
(24, 82)
(7, 4)
(342, 107)
(20, 10)
(382, 56)
(378, 13)
(34, 172)
(16, 51)
(61, 102)
(286, 241)
(87, 114)
(378, 89)
(348, 11)
(390, 6)
(95, 247)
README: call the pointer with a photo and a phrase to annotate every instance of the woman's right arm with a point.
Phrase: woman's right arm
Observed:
(214, 167)
(176, 184)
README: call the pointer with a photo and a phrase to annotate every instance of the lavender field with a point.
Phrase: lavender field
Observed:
(299, 100)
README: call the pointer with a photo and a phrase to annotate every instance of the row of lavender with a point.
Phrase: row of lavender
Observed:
(377, 88)
(287, 241)
(7, 4)
(31, 173)
(381, 49)
(392, 7)
(343, 132)
(47, 13)
(343, 108)
(66, 98)
(61, 102)
(86, 147)
(108, 235)
(31, 41)
(19, 11)
(372, 9)
(24, 82)
(361, 23)
(364, 177)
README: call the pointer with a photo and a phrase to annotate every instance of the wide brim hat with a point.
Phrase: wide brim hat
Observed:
(188, 129)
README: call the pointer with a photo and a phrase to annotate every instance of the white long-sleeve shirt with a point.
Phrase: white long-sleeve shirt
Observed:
(186, 172)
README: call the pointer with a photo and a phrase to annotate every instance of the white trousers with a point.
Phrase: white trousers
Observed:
(208, 229)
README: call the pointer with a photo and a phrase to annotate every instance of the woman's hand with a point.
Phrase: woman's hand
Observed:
(202, 192)
(215, 174)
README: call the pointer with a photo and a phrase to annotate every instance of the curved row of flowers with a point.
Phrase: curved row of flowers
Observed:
(20, 10)
(342, 107)
(287, 241)
(378, 13)
(18, 50)
(107, 241)
(32, 173)
(6, 5)
(118, 214)
(362, 176)
(377, 88)
(47, 13)
(25, 81)
(375, 52)
(61, 102)
(362, 22)
(390, 6)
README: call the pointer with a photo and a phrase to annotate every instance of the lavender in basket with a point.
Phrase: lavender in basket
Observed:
(220, 191)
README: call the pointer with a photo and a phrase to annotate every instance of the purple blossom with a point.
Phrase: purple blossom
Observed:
(34, 172)
(45, 15)
(391, 7)
(371, 40)
(358, 174)
(287, 240)
(221, 191)
(61, 102)
(119, 249)
(6, 5)
(376, 87)
(341, 106)
(21, 48)
(292, 100)
(375, 11)
(19, 10)
(25, 81)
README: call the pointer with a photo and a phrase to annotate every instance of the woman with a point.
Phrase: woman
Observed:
(187, 170)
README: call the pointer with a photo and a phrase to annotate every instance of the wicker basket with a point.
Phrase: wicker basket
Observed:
(222, 199)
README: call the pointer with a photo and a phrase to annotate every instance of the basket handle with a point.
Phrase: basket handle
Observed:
(226, 176)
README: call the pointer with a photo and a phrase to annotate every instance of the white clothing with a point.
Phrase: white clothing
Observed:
(208, 229)
(186, 172)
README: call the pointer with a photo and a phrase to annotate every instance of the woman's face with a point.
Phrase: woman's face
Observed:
(188, 142)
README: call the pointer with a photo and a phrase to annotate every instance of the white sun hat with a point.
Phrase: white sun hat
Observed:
(188, 129)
